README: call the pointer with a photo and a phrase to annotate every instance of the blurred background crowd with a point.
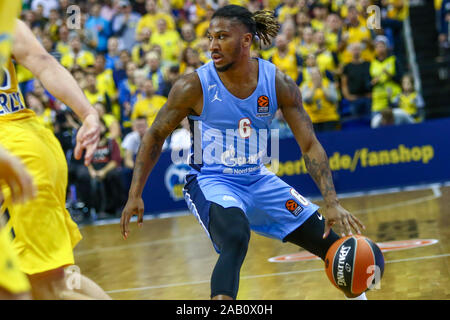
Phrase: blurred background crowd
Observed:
(348, 58)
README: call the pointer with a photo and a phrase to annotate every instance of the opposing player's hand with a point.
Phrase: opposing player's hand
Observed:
(346, 221)
(134, 206)
(88, 137)
(16, 177)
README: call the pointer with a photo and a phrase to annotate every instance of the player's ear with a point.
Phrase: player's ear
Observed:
(247, 40)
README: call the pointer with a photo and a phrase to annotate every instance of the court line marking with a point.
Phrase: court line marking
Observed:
(137, 245)
(181, 284)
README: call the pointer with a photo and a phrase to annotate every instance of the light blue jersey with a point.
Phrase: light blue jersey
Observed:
(232, 135)
(231, 139)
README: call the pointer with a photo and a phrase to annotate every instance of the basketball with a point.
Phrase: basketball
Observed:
(354, 264)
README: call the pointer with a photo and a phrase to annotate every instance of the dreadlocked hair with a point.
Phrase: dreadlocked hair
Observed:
(262, 23)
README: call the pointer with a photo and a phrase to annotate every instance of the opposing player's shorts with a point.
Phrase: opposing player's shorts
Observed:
(274, 209)
(11, 278)
(44, 233)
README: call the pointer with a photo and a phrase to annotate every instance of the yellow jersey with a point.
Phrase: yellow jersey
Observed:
(12, 104)
(386, 88)
(148, 107)
(289, 64)
(9, 11)
(319, 108)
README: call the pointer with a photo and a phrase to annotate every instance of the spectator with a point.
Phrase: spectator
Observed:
(180, 138)
(308, 45)
(46, 5)
(111, 123)
(355, 30)
(44, 114)
(320, 13)
(172, 75)
(150, 19)
(119, 71)
(106, 84)
(286, 60)
(132, 141)
(63, 44)
(154, 71)
(168, 40)
(112, 55)
(287, 11)
(409, 100)
(288, 30)
(148, 104)
(91, 91)
(53, 25)
(76, 55)
(324, 58)
(100, 27)
(356, 87)
(390, 117)
(332, 29)
(320, 102)
(190, 58)
(124, 25)
(385, 73)
(99, 186)
(188, 36)
(127, 89)
(142, 47)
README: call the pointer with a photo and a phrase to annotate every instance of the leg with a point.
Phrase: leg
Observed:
(309, 236)
(54, 285)
(230, 231)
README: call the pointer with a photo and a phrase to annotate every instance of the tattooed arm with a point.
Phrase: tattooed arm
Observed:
(186, 97)
(316, 161)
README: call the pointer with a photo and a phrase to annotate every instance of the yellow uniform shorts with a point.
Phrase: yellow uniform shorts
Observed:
(45, 234)
(11, 278)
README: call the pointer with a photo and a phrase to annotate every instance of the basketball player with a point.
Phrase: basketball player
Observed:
(231, 192)
(13, 175)
(44, 233)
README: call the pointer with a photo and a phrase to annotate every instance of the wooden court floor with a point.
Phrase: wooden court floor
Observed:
(172, 258)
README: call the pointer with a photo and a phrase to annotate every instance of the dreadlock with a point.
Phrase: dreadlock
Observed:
(262, 23)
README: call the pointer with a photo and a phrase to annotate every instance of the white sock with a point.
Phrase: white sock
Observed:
(362, 296)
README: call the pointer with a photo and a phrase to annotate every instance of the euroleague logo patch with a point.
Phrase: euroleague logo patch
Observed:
(293, 207)
(263, 104)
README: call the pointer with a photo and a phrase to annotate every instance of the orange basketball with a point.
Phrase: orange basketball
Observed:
(354, 264)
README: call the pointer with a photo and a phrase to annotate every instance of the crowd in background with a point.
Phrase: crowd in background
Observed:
(126, 55)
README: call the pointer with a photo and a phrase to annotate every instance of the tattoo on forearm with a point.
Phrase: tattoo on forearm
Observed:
(320, 171)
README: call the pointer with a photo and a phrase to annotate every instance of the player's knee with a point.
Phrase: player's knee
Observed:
(237, 239)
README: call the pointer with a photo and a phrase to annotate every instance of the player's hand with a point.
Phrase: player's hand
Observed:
(88, 137)
(345, 220)
(134, 206)
(16, 177)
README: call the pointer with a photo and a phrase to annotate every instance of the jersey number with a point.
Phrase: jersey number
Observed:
(245, 129)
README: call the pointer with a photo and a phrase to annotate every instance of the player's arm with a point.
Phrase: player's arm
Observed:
(183, 97)
(14, 174)
(316, 161)
(59, 82)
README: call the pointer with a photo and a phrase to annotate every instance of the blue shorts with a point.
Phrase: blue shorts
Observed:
(274, 209)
